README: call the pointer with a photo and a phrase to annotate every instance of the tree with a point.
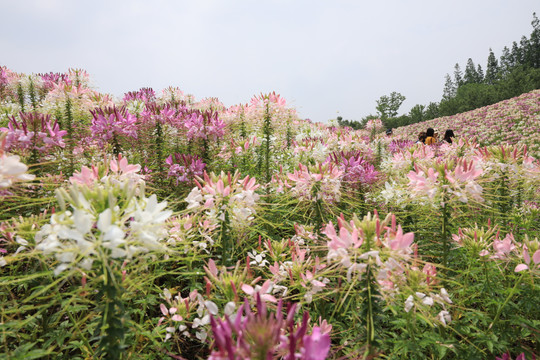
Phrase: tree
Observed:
(480, 72)
(417, 114)
(458, 76)
(526, 53)
(387, 106)
(449, 90)
(432, 111)
(516, 55)
(492, 70)
(471, 75)
(534, 42)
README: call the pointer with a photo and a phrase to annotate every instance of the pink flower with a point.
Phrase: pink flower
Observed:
(316, 345)
(422, 183)
(527, 258)
(263, 291)
(121, 166)
(345, 239)
(401, 241)
(503, 247)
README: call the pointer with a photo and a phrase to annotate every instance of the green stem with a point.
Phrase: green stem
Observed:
(499, 311)
(445, 232)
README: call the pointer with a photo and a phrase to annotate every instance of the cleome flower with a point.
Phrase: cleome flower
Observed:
(446, 181)
(371, 241)
(219, 196)
(318, 182)
(107, 220)
(12, 170)
(268, 334)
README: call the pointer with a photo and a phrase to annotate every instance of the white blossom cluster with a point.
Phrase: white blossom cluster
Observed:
(106, 221)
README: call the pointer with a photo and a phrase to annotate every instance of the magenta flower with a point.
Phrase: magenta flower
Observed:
(144, 94)
(34, 131)
(506, 356)
(184, 168)
(316, 345)
(112, 123)
(268, 335)
(358, 172)
(203, 125)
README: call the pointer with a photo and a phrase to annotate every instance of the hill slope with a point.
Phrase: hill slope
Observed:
(512, 121)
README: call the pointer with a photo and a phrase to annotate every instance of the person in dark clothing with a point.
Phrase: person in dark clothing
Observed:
(430, 137)
(448, 135)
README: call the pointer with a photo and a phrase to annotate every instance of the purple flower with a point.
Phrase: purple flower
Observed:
(316, 345)
(248, 335)
(185, 167)
(109, 123)
(144, 94)
(399, 144)
(203, 125)
(34, 131)
(358, 172)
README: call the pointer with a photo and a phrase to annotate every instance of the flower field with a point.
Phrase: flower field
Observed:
(514, 121)
(161, 226)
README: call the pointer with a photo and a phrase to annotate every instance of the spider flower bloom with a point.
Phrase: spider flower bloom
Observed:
(110, 123)
(457, 183)
(265, 334)
(423, 184)
(203, 125)
(319, 182)
(371, 241)
(530, 247)
(463, 181)
(107, 221)
(184, 168)
(218, 195)
(358, 172)
(145, 94)
(115, 171)
(34, 131)
(11, 169)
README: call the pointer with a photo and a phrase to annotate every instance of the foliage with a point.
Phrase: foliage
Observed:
(159, 226)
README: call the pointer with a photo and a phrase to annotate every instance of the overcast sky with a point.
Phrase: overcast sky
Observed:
(328, 58)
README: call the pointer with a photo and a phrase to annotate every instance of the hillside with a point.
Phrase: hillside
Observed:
(513, 121)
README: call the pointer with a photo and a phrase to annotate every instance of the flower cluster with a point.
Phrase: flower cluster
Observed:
(318, 182)
(268, 335)
(225, 195)
(374, 125)
(184, 168)
(459, 183)
(358, 172)
(359, 243)
(203, 125)
(34, 131)
(189, 315)
(115, 171)
(144, 94)
(12, 170)
(113, 123)
(104, 221)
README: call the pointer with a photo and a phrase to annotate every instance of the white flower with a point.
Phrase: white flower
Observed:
(409, 303)
(194, 198)
(211, 306)
(258, 259)
(428, 300)
(444, 317)
(12, 170)
(136, 227)
(445, 296)
(229, 308)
